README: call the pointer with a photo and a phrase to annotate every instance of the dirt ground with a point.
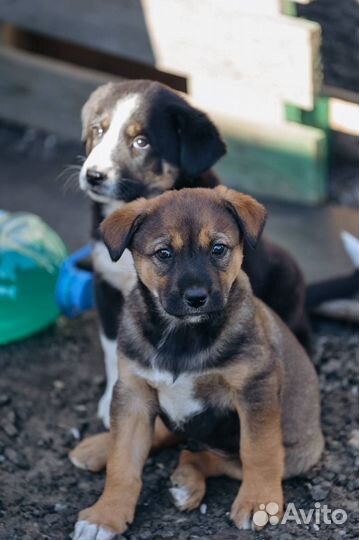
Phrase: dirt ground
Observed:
(49, 388)
(50, 383)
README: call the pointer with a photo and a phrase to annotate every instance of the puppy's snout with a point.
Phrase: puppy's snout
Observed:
(94, 178)
(196, 297)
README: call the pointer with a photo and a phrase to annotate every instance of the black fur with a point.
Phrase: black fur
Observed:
(177, 351)
(215, 428)
(109, 303)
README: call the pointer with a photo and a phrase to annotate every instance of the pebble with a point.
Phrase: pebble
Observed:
(16, 458)
(354, 438)
(4, 399)
(319, 492)
(60, 507)
(75, 433)
(203, 509)
(10, 429)
(59, 385)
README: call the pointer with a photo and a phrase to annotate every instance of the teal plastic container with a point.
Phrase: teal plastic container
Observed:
(31, 255)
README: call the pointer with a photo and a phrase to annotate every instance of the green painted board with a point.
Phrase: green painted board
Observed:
(288, 162)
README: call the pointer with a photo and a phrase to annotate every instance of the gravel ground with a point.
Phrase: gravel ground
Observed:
(49, 388)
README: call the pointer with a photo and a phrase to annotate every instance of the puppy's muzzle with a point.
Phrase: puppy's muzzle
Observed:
(196, 297)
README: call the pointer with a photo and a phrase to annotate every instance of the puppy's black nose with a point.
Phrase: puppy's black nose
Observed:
(94, 177)
(196, 297)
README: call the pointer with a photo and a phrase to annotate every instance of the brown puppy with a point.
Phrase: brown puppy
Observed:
(199, 350)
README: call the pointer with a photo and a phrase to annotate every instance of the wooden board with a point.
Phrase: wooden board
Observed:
(278, 54)
(43, 93)
(336, 110)
(113, 26)
(202, 41)
(287, 162)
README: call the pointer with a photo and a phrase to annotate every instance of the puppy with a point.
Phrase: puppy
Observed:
(143, 139)
(199, 350)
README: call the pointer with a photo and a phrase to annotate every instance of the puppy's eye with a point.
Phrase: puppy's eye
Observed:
(98, 131)
(164, 254)
(140, 142)
(219, 250)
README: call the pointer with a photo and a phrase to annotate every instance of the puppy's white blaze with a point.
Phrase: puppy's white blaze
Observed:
(120, 274)
(101, 156)
(180, 496)
(175, 397)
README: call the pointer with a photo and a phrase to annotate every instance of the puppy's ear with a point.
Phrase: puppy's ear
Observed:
(119, 227)
(89, 111)
(199, 140)
(249, 214)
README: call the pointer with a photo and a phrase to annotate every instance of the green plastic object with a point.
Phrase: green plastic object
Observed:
(31, 254)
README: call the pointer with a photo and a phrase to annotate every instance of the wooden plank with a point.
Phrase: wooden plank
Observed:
(336, 110)
(343, 116)
(43, 93)
(279, 54)
(243, 101)
(200, 40)
(114, 26)
(288, 162)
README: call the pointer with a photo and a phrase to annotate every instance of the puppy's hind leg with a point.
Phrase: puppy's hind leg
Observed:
(91, 454)
(109, 347)
(189, 478)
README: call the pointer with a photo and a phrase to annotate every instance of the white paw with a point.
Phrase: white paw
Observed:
(90, 531)
(180, 496)
(77, 463)
(103, 409)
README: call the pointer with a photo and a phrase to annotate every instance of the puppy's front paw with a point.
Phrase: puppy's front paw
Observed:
(104, 520)
(254, 511)
(84, 530)
(103, 409)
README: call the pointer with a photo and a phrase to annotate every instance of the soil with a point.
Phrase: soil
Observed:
(50, 383)
(49, 388)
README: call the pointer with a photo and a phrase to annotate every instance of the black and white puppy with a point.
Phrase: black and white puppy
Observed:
(142, 139)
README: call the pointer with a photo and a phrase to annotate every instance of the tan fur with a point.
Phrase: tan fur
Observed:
(280, 433)
(92, 453)
(176, 240)
(252, 213)
(134, 129)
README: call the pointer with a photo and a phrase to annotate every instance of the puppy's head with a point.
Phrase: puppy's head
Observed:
(141, 137)
(187, 245)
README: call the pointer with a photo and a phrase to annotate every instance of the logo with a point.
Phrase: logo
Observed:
(318, 515)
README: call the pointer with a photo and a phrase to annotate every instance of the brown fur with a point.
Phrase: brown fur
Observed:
(261, 382)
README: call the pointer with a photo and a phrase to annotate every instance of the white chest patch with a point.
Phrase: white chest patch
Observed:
(175, 397)
(120, 274)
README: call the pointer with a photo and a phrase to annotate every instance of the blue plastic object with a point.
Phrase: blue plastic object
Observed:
(74, 289)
